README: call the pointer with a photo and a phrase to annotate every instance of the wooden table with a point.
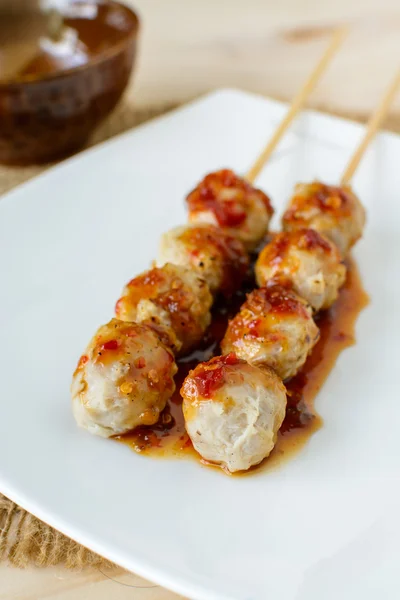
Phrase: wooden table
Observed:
(268, 47)
(191, 46)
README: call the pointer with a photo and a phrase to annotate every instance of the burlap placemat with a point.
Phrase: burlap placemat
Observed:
(24, 539)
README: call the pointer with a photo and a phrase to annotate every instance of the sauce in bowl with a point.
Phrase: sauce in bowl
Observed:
(34, 44)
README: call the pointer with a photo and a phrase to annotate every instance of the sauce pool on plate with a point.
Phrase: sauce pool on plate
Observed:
(168, 438)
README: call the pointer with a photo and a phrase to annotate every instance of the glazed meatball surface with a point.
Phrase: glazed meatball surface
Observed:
(274, 328)
(233, 411)
(336, 212)
(226, 200)
(173, 300)
(218, 257)
(123, 379)
(305, 260)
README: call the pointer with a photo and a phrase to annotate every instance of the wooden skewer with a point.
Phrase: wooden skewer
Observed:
(373, 125)
(297, 104)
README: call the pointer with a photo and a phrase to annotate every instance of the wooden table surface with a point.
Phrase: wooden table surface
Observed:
(189, 47)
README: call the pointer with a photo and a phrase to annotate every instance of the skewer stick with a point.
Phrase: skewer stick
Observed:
(373, 125)
(298, 103)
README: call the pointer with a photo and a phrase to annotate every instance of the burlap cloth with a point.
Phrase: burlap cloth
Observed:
(24, 539)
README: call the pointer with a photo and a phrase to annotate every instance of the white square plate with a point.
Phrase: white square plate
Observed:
(326, 524)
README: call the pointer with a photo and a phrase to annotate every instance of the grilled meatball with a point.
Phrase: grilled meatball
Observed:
(123, 380)
(173, 300)
(226, 200)
(305, 260)
(233, 411)
(274, 328)
(217, 256)
(333, 211)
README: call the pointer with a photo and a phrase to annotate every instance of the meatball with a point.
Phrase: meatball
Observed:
(233, 411)
(217, 256)
(305, 260)
(226, 200)
(173, 300)
(333, 211)
(274, 328)
(123, 380)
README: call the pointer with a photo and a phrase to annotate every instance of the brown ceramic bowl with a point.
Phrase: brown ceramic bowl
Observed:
(51, 105)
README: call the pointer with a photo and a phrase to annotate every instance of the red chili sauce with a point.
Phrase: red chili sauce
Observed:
(210, 376)
(228, 212)
(169, 438)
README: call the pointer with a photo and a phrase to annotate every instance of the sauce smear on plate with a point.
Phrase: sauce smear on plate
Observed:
(169, 438)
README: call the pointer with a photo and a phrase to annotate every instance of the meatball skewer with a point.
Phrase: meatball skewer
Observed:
(200, 411)
(306, 261)
(162, 313)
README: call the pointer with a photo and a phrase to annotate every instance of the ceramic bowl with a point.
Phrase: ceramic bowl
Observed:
(49, 108)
